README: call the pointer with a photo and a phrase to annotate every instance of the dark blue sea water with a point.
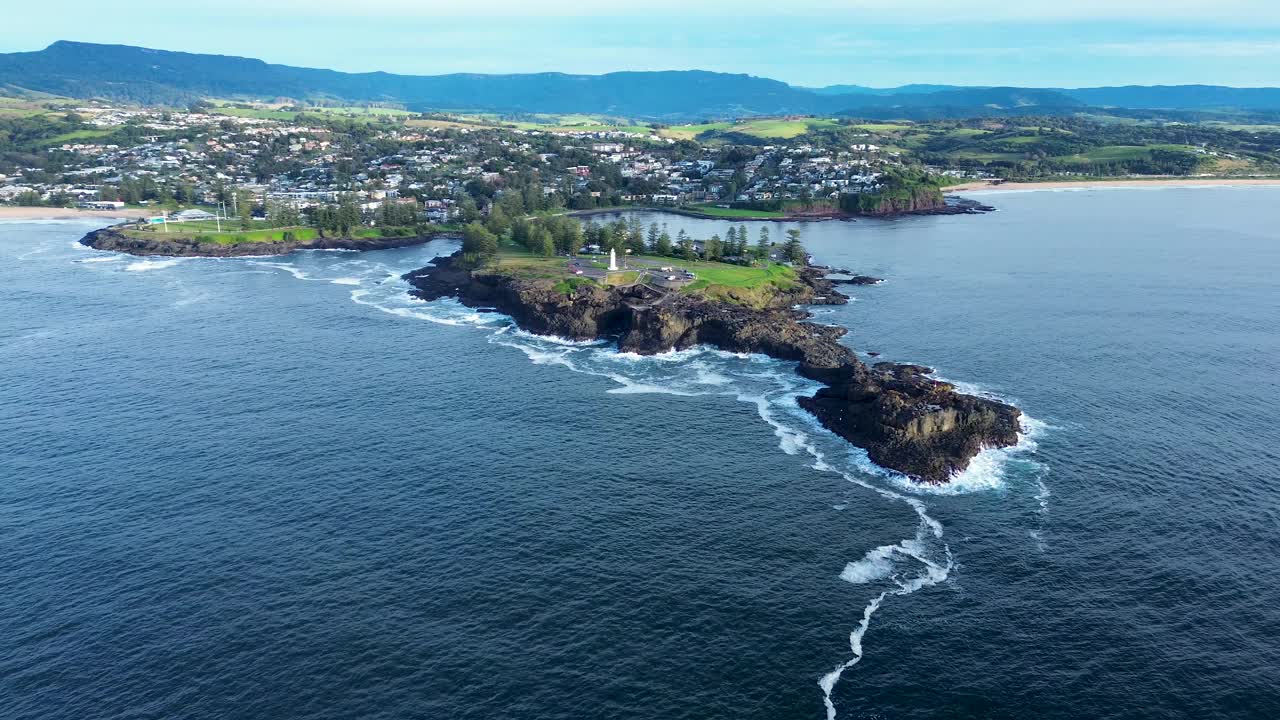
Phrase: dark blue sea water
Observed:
(280, 488)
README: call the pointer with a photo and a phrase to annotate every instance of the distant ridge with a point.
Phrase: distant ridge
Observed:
(163, 77)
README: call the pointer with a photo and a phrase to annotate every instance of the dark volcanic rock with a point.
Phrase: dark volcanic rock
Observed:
(905, 420)
(855, 280)
(948, 205)
(110, 238)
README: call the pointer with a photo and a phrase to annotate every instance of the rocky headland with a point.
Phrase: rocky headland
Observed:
(923, 204)
(904, 419)
(933, 204)
(112, 238)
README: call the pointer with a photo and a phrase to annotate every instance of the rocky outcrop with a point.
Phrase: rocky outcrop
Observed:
(110, 238)
(922, 203)
(904, 419)
(849, 277)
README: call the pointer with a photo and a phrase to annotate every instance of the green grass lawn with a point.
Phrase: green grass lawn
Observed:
(256, 113)
(1111, 153)
(731, 212)
(223, 238)
(572, 123)
(639, 129)
(689, 132)
(277, 113)
(740, 276)
(12, 112)
(232, 235)
(77, 135)
(229, 225)
(981, 156)
(457, 125)
(361, 110)
(765, 128)
(783, 129)
(883, 127)
(22, 107)
(735, 283)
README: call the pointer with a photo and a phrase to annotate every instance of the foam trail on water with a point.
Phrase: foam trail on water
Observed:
(913, 563)
(925, 554)
(147, 265)
(287, 267)
(828, 681)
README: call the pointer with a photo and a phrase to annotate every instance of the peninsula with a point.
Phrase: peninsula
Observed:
(198, 233)
(120, 238)
(906, 421)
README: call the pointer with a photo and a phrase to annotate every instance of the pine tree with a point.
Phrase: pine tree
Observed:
(244, 208)
(686, 246)
(713, 249)
(793, 250)
(762, 245)
(663, 246)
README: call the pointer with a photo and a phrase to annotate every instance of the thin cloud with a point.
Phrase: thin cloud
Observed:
(1190, 48)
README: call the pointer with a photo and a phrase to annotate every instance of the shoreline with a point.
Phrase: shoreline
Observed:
(112, 240)
(685, 212)
(907, 421)
(50, 213)
(961, 207)
(1116, 184)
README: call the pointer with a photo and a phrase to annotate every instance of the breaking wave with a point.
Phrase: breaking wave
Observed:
(148, 265)
(918, 561)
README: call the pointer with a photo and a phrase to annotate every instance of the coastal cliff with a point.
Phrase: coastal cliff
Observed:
(917, 201)
(111, 238)
(905, 420)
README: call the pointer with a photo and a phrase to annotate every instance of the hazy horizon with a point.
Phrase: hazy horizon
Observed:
(813, 43)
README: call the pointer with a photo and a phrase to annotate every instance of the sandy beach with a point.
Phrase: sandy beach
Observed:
(46, 213)
(1117, 183)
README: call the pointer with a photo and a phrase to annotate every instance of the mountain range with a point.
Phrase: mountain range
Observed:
(162, 77)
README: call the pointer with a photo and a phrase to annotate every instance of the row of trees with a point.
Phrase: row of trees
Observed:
(561, 235)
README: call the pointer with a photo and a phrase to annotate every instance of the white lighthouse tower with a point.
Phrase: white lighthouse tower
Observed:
(613, 260)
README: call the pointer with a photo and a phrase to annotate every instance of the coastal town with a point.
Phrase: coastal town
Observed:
(117, 158)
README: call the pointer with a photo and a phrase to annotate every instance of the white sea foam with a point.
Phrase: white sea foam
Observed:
(988, 470)
(875, 565)
(828, 682)
(631, 387)
(346, 281)
(109, 258)
(294, 271)
(148, 265)
(444, 312)
(922, 560)
(556, 339)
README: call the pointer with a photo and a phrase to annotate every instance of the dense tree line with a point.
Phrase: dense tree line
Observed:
(562, 235)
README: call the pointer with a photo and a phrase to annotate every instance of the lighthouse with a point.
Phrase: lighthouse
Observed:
(613, 260)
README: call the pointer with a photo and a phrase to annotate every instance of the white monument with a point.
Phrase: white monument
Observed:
(613, 260)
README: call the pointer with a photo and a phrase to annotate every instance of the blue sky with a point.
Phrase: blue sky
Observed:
(804, 42)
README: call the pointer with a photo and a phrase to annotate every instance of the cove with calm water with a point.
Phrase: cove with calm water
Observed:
(280, 487)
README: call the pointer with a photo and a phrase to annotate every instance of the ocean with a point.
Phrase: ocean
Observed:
(281, 487)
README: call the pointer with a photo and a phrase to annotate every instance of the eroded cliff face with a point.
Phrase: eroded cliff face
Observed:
(922, 202)
(109, 238)
(916, 203)
(905, 420)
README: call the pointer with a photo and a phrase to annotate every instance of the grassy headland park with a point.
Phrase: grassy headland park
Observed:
(736, 268)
